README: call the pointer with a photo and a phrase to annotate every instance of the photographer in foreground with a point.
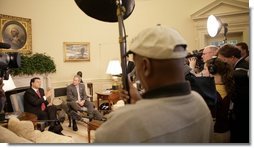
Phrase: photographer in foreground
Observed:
(169, 112)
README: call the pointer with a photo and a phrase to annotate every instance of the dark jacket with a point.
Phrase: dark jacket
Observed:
(32, 102)
(222, 114)
(240, 114)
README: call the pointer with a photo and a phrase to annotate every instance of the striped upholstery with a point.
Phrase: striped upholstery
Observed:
(17, 101)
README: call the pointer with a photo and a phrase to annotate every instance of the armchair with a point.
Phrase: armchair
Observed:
(61, 93)
(17, 102)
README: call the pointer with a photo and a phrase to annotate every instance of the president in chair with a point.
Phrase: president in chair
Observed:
(77, 100)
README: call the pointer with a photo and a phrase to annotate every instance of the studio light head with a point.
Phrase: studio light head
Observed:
(8, 60)
(105, 10)
(111, 11)
(214, 25)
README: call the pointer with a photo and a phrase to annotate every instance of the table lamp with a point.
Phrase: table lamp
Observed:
(115, 70)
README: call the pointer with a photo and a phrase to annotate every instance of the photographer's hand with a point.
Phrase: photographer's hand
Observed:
(193, 62)
(133, 91)
(133, 95)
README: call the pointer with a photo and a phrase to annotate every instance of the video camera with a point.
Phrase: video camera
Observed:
(199, 60)
(8, 60)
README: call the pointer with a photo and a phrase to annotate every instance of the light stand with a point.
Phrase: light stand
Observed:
(225, 26)
(122, 41)
(214, 25)
(111, 11)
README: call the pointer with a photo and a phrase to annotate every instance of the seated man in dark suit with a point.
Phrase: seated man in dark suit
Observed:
(77, 99)
(35, 101)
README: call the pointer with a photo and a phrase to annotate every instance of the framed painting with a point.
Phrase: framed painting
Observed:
(17, 32)
(76, 51)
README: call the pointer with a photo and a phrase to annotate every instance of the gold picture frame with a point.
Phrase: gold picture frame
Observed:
(17, 32)
(76, 51)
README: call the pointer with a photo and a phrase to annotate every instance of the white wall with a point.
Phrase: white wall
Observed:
(58, 21)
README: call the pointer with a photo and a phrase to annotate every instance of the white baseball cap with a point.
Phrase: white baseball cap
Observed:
(158, 43)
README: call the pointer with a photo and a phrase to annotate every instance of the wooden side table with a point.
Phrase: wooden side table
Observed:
(111, 97)
(93, 125)
(101, 96)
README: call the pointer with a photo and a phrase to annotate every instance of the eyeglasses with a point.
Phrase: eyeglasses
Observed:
(204, 53)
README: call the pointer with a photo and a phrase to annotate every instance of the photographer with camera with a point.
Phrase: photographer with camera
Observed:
(195, 61)
(203, 82)
(7, 61)
(208, 53)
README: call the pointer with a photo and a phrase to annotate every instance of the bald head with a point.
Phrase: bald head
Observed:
(209, 52)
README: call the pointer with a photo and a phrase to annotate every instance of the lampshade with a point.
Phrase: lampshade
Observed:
(213, 25)
(8, 84)
(114, 67)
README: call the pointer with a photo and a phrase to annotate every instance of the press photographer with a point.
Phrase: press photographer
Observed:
(196, 55)
(7, 61)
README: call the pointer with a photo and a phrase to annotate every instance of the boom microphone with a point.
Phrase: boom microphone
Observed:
(4, 45)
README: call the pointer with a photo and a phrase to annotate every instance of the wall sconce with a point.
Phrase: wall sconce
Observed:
(214, 25)
(115, 70)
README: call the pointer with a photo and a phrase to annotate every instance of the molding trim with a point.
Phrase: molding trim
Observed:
(220, 8)
(233, 12)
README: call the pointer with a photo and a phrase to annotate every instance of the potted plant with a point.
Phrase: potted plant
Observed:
(35, 64)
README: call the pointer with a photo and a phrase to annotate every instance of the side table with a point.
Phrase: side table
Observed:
(102, 96)
(111, 96)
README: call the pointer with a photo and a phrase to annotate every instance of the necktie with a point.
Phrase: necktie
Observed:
(77, 87)
(43, 104)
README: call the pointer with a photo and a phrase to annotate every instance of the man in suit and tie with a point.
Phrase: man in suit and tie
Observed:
(240, 120)
(77, 99)
(35, 101)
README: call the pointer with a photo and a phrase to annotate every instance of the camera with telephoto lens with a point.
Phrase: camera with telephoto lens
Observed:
(199, 60)
(8, 60)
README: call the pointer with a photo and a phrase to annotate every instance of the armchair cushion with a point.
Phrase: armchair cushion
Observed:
(22, 128)
(26, 129)
(7, 136)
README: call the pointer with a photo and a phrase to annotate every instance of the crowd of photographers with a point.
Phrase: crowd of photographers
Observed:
(224, 70)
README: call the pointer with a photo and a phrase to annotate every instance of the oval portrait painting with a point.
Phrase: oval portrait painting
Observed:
(14, 34)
